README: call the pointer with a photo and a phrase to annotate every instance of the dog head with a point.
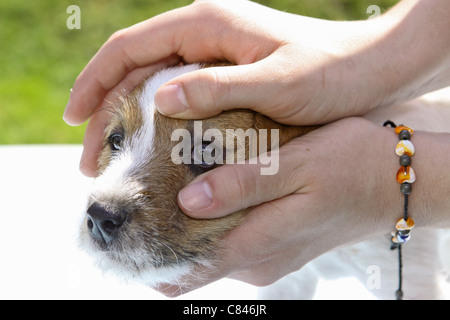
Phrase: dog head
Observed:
(133, 224)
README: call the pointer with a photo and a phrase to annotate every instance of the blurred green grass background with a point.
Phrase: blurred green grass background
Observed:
(40, 57)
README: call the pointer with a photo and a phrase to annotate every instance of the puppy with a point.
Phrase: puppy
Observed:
(133, 223)
(134, 227)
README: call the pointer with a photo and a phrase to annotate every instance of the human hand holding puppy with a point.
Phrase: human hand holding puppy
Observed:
(326, 62)
(335, 187)
(294, 69)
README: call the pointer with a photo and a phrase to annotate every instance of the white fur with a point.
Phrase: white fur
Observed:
(150, 276)
(143, 141)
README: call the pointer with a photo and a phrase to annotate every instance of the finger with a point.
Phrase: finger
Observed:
(234, 187)
(124, 51)
(84, 100)
(198, 277)
(209, 91)
(93, 142)
(195, 33)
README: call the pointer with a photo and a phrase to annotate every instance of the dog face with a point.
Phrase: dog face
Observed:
(133, 223)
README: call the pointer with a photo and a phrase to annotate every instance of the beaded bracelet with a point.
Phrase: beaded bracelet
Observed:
(406, 177)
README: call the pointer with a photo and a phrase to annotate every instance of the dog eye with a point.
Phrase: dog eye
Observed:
(203, 155)
(115, 141)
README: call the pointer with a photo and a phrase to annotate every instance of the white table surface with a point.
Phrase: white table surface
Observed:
(42, 198)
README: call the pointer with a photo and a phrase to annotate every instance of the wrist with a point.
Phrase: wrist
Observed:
(390, 203)
(430, 204)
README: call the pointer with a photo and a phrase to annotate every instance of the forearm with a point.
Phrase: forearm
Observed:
(414, 54)
(362, 65)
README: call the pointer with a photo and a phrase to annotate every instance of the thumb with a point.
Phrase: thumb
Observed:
(209, 91)
(233, 187)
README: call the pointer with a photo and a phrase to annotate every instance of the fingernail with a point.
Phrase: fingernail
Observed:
(171, 99)
(66, 120)
(65, 110)
(196, 196)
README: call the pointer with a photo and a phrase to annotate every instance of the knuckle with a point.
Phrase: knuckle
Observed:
(261, 277)
(245, 184)
(118, 36)
(218, 87)
(264, 281)
(117, 42)
(236, 192)
(172, 294)
(206, 4)
(214, 11)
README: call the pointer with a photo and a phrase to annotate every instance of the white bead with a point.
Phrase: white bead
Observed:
(405, 147)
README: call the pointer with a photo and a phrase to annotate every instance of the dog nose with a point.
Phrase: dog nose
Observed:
(103, 224)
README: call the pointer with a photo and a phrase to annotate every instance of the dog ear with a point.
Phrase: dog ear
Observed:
(286, 133)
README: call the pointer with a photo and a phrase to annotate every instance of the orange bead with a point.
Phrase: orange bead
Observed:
(403, 225)
(401, 128)
(406, 174)
(405, 147)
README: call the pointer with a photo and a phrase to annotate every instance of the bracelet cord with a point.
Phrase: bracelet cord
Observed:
(403, 226)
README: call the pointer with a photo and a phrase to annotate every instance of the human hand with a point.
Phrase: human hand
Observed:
(335, 186)
(294, 69)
